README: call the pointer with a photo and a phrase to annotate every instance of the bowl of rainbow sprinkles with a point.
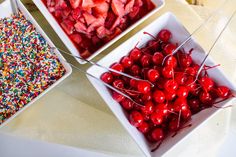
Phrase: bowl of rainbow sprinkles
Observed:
(28, 68)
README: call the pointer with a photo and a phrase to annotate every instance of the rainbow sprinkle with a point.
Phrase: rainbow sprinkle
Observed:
(27, 67)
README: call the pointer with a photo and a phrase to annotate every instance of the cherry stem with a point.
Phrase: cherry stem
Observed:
(158, 145)
(190, 51)
(179, 119)
(172, 112)
(150, 35)
(176, 132)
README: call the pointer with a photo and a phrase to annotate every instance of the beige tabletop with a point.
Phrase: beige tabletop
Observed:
(73, 113)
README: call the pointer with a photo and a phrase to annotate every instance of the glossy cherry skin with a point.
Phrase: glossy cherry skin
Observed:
(180, 78)
(157, 134)
(153, 75)
(174, 124)
(118, 97)
(127, 104)
(180, 104)
(118, 67)
(157, 118)
(126, 62)
(135, 54)
(145, 60)
(162, 109)
(148, 108)
(169, 95)
(147, 97)
(135, 70)
(182, 91)
(223, 92)
(194, 104)
(186, 114)
(164, 35)
(169, 48)
(153, 45)
(206, 83)
(118, 83)
(171, 85)
(143, 87)
(157, 58)
(107, 77)
(171, 61)
(144, 127)
(185, 60)
(136, 118)
(158, 96)
(206, 98)
(168, 72)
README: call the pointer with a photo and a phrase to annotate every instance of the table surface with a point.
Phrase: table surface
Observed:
(73, 114)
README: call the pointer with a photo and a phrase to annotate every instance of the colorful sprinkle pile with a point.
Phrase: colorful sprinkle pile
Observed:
(27, 67)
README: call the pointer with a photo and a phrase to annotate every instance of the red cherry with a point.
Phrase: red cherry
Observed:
(157, 58)
(158, 96)
(135, 54)
(143, 87)
(162, 108)
(133, 83)
(182, 91)
(171, 61)
(126, 62)
(127, 104)
(147, 97)
(136, 118)
(107, 77)
(206, 98)
(153, 75)
(171, 85)
(180, 104)
(118, 83)
(118, 97)
(191, 71)
(186, 114)
(223, 92)
(169, 48)
(174, 124)
(135, 70)
(160, 83)
(157, 118)
(185, 60)
(194, 105)
(145, 60)
(169, 95)
(168, 72)
(148, 108)
(164, 35)
(180, 78)
(206, 83)
(153, 45)
(157, 134)
(144, 127)
(117, 67)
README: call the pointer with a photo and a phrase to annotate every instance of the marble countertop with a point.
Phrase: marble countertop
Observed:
(70, 116)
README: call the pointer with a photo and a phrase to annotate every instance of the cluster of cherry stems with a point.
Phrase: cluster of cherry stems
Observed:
(175, 96)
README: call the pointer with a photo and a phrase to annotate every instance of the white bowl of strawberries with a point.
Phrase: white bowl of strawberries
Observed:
(176, 104)
(87, 27)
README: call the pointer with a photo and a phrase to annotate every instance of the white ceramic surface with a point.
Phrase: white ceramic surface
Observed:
(170, 22)
(69, 44)
(6, 11)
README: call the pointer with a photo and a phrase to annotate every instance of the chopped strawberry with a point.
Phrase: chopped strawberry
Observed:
(76, 38)
(75, 3)
(118, 7)
(60, 4)
(134, 13)
(66, 12)
(111, 17)
(76, 13)
(80, 27)
(101, 9)
(51, 9)
(138, 3)
(116, 33)
(85, 54)
(89, 18)
(99, 22)
(81, 19)
(149, 4)
(124, 23)
(124, 1)
(116, 23)
(129, 6)
(99, 1)
(58, 14)
(68, 26)
(102, 32)
(50, 3)
(87, 4)
(96, 41)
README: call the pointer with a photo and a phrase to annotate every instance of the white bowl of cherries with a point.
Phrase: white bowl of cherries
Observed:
(176, 104)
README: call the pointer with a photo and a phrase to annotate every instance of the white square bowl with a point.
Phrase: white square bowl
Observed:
(6, 11)
(167, 21)
(69, 44)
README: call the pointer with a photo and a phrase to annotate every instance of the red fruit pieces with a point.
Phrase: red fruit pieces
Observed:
(164, 35)
(118, 8)
(143, 87)
(158, 96)
(136, 118)
(68, 26)
(75, 3)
